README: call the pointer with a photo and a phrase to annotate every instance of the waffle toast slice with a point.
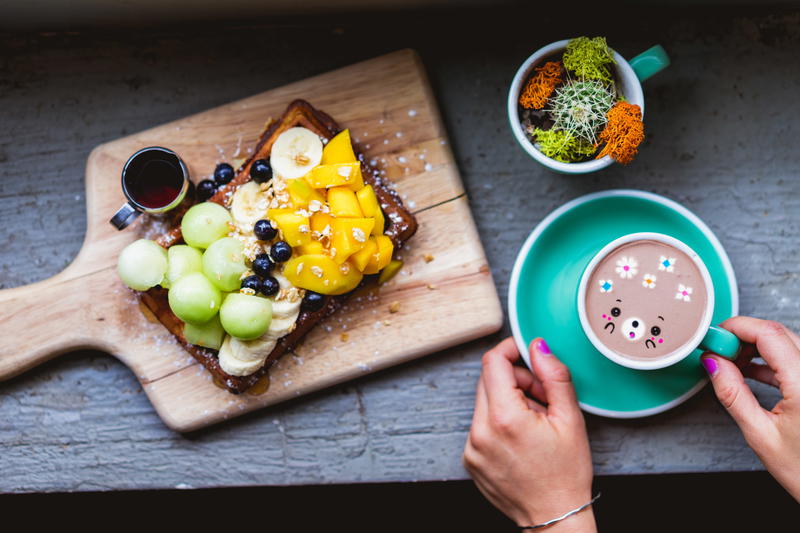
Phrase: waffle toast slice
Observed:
(400, 226)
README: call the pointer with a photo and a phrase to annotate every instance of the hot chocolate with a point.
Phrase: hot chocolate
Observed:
(646, 300)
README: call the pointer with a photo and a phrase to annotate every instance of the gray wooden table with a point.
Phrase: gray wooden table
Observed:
(722, 126)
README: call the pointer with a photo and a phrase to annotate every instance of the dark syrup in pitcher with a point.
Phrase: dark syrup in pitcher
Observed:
(154, 178)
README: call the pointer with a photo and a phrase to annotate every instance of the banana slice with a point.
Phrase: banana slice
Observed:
(295, 152)
(242, 358)
(248, 206)
(238, 366)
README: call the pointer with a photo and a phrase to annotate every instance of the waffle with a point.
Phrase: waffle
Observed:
(400, 226)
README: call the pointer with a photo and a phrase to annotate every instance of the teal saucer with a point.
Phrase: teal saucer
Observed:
(544, 286)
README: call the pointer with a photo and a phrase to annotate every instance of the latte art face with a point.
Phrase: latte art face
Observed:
(646, 300)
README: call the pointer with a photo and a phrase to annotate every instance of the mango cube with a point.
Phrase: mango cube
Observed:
(361, 258)
(390, 271)
(335, 175)
(385, 249)
(371, 208)
(301, 193)
(368, 201)
(339, 150)
(382, 257)
(320, 273)
(344, 203)
(319, 221)
(313, 247)
(349, 236)
(380, 223)
(296, 228)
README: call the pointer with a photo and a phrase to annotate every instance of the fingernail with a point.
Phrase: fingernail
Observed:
(542, 347)
(710, 365)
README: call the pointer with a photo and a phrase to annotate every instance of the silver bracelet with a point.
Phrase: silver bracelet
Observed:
(562, 517)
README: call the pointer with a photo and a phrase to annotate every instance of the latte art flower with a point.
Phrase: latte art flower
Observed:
(684, 293)
(666, 263)
(627, 267)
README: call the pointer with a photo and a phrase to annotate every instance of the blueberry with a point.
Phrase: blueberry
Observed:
(261, 171)
(264, 230)
(252, 282)
(262, 265)
(312, 301)
(270, 286)
(205, 190)
(280, 252)
(223, 174)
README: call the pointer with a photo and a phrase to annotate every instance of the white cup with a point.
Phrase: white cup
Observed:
(706, 336)
(627, 82)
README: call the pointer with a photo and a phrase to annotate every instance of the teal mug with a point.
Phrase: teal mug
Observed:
(629, 280)
(629, 75)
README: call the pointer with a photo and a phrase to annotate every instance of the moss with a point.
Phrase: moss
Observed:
(588, 59)
(562, 146)
(541, 85)
(624, 133)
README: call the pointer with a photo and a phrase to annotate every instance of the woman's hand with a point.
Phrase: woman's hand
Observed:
(773, 435)
(530, 457)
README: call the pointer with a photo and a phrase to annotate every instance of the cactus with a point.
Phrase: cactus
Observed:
(580, 108)
(589, 59)
(562, 146)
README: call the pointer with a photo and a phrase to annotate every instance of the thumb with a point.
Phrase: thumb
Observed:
(734, 394)
(556, 380)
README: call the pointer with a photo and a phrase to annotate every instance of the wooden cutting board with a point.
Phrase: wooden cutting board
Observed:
(443, 296)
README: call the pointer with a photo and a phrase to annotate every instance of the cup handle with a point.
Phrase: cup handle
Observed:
(650, 62)
(721, 342)
(126, 214)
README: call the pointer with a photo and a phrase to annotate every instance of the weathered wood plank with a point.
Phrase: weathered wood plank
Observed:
(717, 142)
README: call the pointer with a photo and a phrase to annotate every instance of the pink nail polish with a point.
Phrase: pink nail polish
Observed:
(710, 365)
(542, 347)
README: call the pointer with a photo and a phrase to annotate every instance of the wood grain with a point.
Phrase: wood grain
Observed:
(82, 421)
(445, 291)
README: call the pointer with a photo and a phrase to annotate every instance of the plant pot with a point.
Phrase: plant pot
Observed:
(629, 78)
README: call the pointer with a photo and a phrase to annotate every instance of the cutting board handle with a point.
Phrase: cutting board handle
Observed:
(43, 320)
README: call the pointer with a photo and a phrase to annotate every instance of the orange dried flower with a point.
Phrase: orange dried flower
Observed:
(624, 132)
(541, 86)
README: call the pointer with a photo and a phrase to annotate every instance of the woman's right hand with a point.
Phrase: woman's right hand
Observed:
(774, 435)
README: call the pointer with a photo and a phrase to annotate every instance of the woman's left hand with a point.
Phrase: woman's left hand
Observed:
(530, 455)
